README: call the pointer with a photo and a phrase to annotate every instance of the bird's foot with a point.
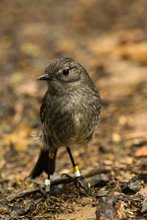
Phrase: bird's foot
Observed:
(81, 183)
(83, 186)
(50, 201)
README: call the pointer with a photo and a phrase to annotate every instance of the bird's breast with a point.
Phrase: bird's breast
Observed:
(71, 120)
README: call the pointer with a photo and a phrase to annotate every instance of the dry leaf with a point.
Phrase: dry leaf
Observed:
(141, 152)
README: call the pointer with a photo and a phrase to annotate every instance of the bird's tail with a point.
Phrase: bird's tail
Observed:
(44, 164)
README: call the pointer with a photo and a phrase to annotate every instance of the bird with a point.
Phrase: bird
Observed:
(70, 113)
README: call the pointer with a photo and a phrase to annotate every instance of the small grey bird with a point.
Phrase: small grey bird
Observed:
(69, 113)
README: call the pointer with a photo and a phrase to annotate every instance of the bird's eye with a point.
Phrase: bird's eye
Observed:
(66, 71)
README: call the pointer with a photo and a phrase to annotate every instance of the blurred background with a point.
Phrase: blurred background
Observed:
(109, 38)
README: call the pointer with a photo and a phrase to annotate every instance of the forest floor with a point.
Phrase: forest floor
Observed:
(116, 160)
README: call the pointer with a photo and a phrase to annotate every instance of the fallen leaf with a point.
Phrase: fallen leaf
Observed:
(141, 152)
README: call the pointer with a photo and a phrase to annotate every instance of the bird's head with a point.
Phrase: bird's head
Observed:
(64, 70)
(65, 74)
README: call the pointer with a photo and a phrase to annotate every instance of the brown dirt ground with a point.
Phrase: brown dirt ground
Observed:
(109, 39)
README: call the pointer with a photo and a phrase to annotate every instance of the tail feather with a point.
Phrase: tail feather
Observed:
(44, 164)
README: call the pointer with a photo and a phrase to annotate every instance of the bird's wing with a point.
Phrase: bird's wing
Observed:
(43, 108)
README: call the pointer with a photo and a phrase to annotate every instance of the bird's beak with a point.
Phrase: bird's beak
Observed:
(44, 77)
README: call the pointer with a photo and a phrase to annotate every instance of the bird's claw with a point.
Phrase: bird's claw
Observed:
(82, 185)
(49, 199)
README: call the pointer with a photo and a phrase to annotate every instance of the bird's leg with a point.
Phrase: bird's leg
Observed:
(80, 181)
(47, 184)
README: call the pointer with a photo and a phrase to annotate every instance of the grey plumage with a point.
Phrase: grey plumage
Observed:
(70, 110)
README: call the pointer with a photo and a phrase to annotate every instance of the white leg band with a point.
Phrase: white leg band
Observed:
(77, 173)
(47, 185)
